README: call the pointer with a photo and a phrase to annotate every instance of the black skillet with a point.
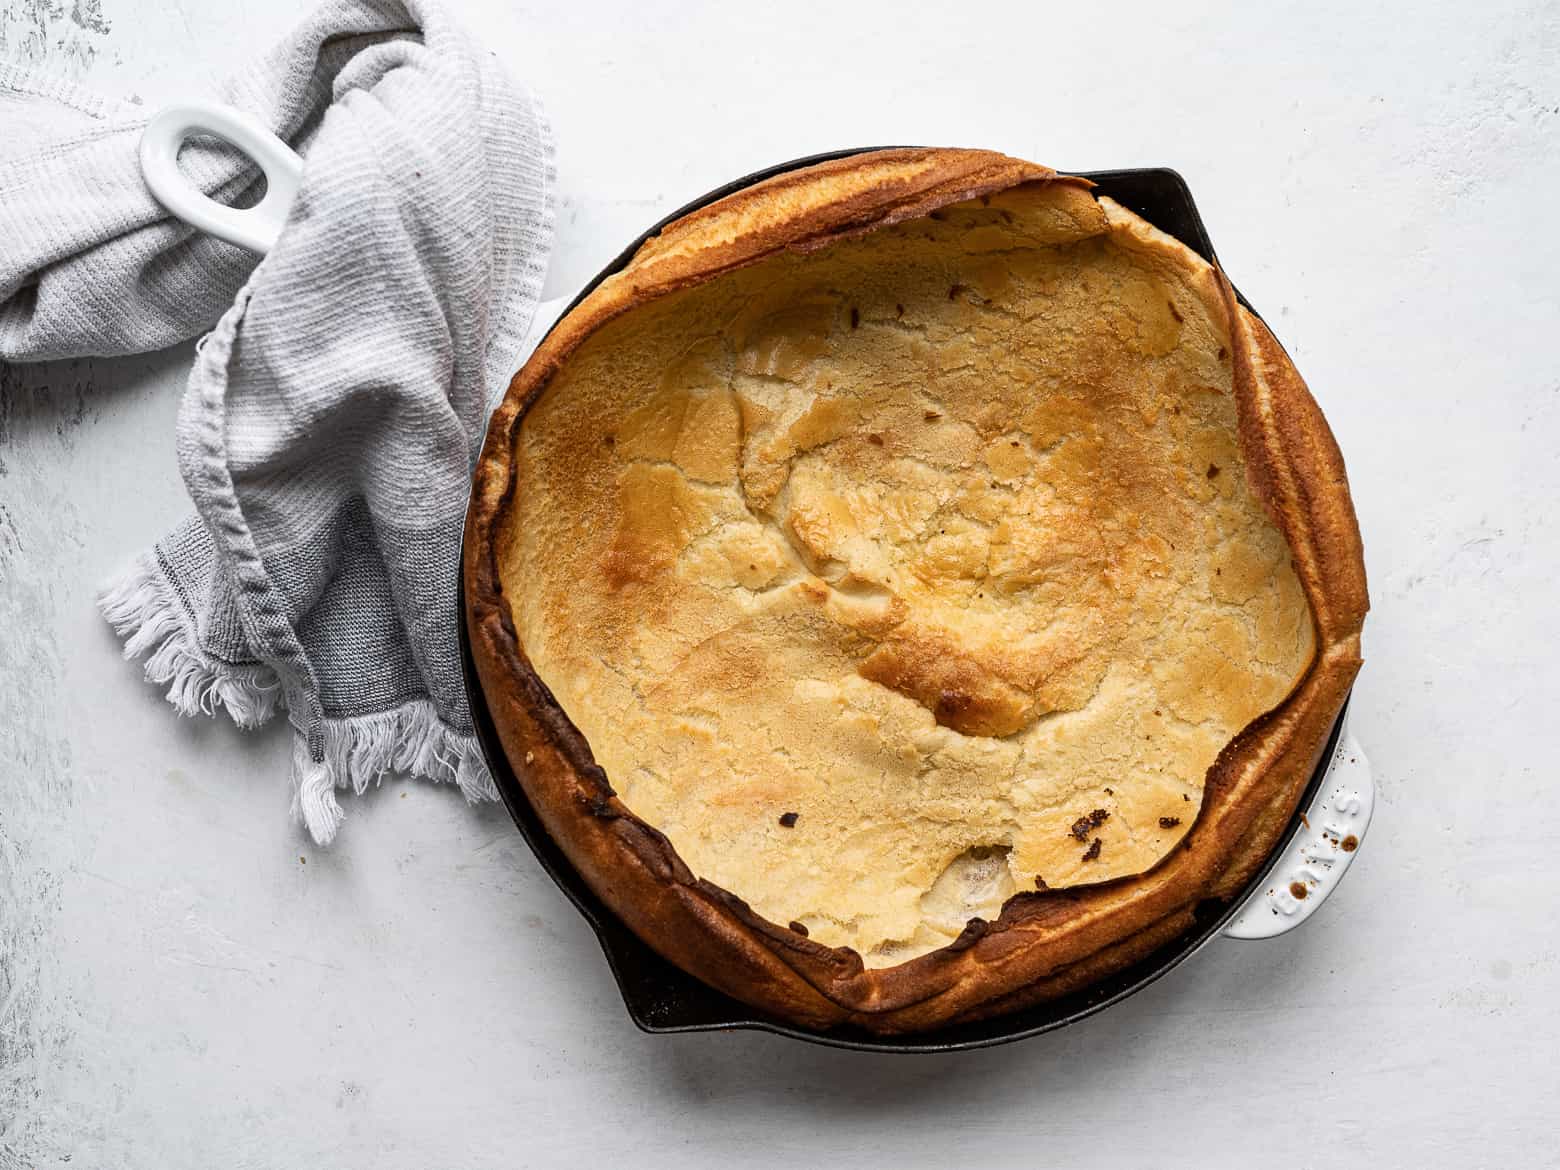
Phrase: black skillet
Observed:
(663, 998)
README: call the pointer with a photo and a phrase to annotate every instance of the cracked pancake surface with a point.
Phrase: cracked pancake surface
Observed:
(940, 538)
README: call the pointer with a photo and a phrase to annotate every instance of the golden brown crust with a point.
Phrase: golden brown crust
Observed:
(1043, 944)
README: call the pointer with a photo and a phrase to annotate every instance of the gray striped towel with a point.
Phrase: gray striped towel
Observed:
(338, 399)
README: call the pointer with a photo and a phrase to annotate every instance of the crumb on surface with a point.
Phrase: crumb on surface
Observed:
(1089, 821)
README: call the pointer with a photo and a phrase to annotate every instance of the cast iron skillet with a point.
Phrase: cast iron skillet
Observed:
(661, 997)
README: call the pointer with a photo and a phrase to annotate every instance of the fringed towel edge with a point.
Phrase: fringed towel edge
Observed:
(409, 739)
(144, 610)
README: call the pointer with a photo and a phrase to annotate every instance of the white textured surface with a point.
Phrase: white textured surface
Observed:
(179, 989)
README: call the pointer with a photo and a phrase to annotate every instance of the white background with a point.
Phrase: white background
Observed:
(185, 982)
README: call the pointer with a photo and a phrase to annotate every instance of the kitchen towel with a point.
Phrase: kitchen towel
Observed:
(329, 425)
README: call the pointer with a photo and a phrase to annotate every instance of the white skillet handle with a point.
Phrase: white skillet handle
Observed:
(255, 228)
(1316, 860)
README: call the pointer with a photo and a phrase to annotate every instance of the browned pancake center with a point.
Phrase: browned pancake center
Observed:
(939, 539)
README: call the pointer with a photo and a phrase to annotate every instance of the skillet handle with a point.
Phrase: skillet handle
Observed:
(1315, 861)
(255, 228)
